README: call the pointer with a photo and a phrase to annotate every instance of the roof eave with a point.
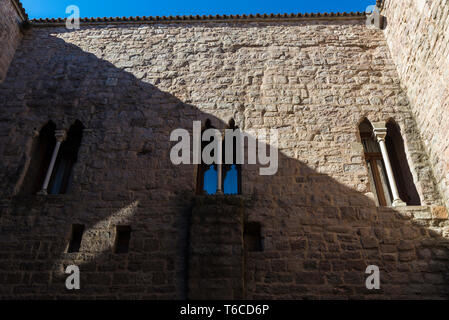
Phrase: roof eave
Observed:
(20, 10)
(217, 18)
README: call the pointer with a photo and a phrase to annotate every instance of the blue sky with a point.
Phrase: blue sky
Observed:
(120, 8)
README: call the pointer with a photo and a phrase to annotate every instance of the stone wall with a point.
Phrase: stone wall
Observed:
(131, 84)
(216, 249)
(417, 34)
(9, 35)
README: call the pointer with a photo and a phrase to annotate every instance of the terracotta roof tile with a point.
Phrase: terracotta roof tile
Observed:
(243, 17)
(178, 18)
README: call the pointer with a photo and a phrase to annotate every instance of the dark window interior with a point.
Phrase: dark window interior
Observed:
(252, 236)
(62, 172)
(41, 152)
(207, 174)
(401, 170)
(231, 173)
(76, 237)
(123, 236)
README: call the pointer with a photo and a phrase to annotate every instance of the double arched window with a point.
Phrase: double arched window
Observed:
(53, 156)
(220, 177)
(390, 178)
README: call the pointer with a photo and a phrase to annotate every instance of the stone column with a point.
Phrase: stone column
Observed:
(219, 169)
(219, 166)
(380, 131)
(60, 137)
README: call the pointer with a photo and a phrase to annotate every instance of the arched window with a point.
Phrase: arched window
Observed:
(389, 172)
(207, 177)
(231, 171)
(401, 170)
(41, 152)
(68, 153)
(210, 179)
(207, 173)
(376, 167)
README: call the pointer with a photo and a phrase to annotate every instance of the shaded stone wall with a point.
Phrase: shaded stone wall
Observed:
(131, 85)
(9, 35)
(215, 262)
(417, 34)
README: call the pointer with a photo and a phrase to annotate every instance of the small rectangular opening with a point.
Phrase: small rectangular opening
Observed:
(76, 237)
(123, 235)
(252, 236)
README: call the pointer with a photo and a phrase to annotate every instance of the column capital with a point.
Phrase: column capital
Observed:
(380, 130)
(60, 135)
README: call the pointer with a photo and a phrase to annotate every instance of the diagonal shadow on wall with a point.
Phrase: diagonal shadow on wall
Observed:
(319, 235)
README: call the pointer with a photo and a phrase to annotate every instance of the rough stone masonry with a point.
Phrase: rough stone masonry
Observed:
(131, 82)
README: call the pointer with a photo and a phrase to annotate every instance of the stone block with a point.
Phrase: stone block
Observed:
(439, 212)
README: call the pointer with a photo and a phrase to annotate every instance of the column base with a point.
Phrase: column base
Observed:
(398, 203)
(43, 192)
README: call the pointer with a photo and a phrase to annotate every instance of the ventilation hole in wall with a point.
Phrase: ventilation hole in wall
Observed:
(76, 237)
(252, 236)
(123, 235)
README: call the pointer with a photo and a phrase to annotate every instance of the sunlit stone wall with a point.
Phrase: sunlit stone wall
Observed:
(130, 85)
(417, 34)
